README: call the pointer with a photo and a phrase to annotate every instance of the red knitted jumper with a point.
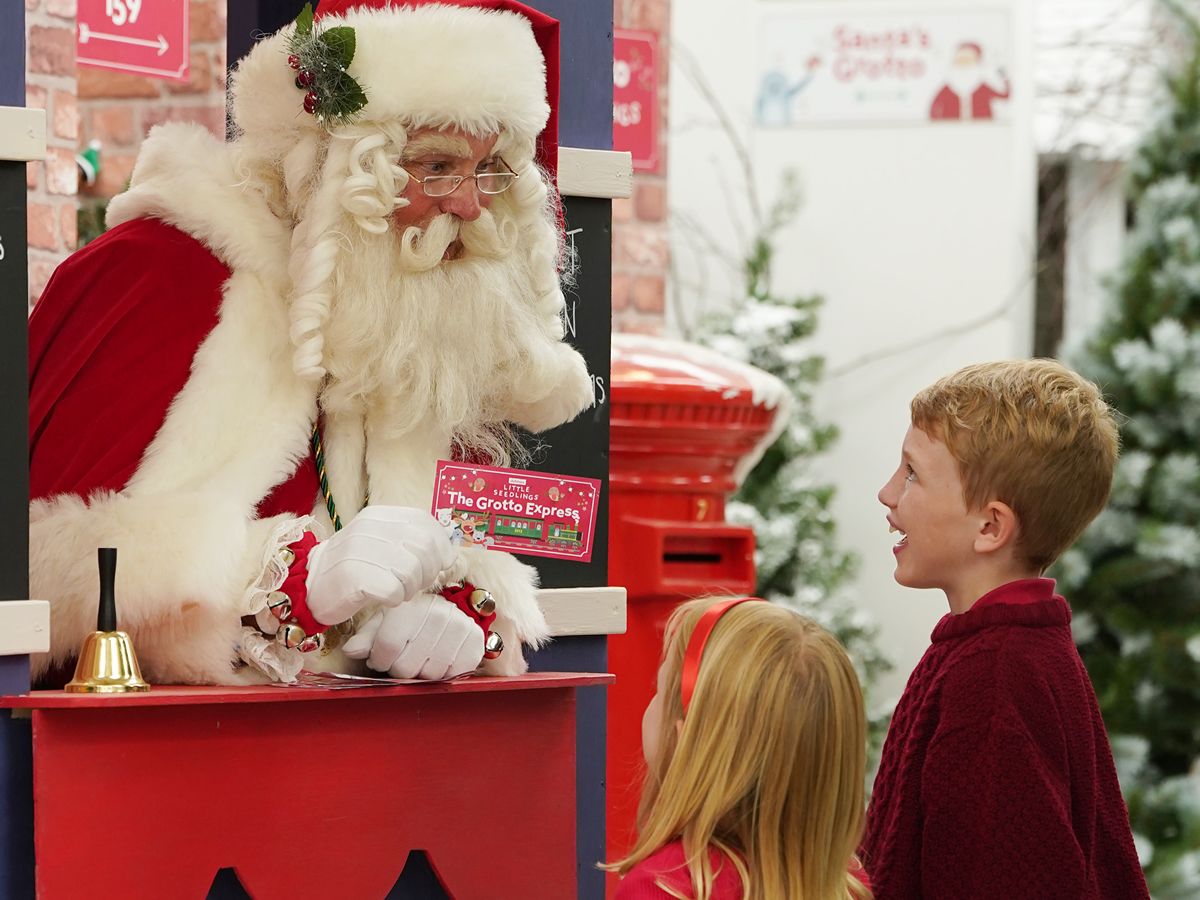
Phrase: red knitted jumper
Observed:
(997, 779)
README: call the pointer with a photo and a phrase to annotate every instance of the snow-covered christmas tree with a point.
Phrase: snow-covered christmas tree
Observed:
(1134, 577)
(798, 559)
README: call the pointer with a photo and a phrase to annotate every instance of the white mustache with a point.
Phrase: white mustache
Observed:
(489, 236)
(423, 248)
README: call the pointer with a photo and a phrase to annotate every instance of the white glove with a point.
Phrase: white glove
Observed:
(385, 555)
(427, 637)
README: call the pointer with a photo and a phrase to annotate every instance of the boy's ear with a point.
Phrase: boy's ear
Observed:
(997, 528)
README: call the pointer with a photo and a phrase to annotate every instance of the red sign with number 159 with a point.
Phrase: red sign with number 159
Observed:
(145, 37)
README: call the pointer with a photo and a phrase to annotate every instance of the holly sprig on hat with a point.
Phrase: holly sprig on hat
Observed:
(322, 60)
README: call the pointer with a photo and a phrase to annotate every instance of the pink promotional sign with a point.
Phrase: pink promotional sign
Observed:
(145, 37)
(531, 513)
(635, 97)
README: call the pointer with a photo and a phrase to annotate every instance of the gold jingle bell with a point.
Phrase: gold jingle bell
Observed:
(483, 602)
(493, 645)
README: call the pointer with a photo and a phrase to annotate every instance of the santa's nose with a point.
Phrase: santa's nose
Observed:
(466, 202)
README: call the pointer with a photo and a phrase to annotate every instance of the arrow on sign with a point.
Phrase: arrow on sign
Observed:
(86, 34)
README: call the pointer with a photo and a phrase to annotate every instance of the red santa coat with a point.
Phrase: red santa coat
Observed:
(948, 105)
(110, 346)
(165, 411)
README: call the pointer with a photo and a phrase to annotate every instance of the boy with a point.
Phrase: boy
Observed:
(997, 780)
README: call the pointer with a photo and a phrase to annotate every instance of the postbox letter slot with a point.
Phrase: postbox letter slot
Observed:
(692, 557)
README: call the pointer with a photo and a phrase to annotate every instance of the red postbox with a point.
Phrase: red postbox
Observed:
(687, 424)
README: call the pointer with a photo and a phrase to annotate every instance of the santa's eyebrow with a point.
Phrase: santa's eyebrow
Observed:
(437, 143)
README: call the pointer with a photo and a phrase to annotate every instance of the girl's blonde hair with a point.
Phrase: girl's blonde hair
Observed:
(768, 765)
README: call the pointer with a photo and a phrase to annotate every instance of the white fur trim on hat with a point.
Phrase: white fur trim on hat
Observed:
(430, 66)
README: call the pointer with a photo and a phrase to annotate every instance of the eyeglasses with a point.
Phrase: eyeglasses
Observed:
(487, 182)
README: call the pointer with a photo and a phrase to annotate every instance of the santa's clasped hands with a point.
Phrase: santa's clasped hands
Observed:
(390, 557)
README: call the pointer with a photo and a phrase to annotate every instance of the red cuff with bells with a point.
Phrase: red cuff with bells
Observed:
(295, 585)
(460, 596)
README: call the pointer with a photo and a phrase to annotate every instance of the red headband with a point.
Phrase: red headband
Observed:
(695, 648)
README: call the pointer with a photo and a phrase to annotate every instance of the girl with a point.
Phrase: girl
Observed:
(755, 746)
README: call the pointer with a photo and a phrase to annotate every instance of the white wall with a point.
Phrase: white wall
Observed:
(920, 237)
(1096, 234)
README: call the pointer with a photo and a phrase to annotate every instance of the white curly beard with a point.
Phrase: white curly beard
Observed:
(418, 339)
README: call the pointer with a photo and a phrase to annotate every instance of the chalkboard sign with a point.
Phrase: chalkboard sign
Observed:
(14, 406)
(14, 311)
(581, 447)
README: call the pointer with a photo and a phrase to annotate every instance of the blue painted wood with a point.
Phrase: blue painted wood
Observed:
(14, 674)
(12, 52)
(586, 653)
(585, 76)
(16, 808)
(248, 20)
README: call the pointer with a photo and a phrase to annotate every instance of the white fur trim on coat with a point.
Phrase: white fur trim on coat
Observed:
(206, 198)
(182, 568)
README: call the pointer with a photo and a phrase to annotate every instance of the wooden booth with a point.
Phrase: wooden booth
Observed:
(480, 788)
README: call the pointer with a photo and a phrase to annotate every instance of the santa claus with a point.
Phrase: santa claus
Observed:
(968, 92)
(244, 385)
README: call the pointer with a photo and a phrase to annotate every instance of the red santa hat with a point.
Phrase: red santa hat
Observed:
(485, 66)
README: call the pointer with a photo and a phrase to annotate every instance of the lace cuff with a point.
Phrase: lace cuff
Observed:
(276, 560)
(269, 657)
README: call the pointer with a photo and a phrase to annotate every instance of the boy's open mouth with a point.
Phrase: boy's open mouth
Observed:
(903, 536)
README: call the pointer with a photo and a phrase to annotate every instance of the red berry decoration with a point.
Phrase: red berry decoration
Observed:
(310, 102)
(294, 61)
(305, 78)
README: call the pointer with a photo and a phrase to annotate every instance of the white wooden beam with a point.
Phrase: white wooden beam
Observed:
(582, 611)
(25, 624)
(595, 173)
(24, 627)
(22, 134)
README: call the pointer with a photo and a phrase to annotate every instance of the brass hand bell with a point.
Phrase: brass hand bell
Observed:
(107, 663)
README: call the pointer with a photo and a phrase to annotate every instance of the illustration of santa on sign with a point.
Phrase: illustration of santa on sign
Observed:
(967, 81)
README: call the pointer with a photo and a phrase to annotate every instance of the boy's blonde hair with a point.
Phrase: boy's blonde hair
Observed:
(1029, 433)
(768, 766)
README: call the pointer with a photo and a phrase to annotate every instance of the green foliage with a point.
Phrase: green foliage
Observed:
(327, 55)
(89, 220)
(1134, 577)
(799, 561)
(304, 21)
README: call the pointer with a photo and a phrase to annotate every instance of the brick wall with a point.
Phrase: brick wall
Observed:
(118, 109)
(641, 252)
(50, 85)
(115, 108)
